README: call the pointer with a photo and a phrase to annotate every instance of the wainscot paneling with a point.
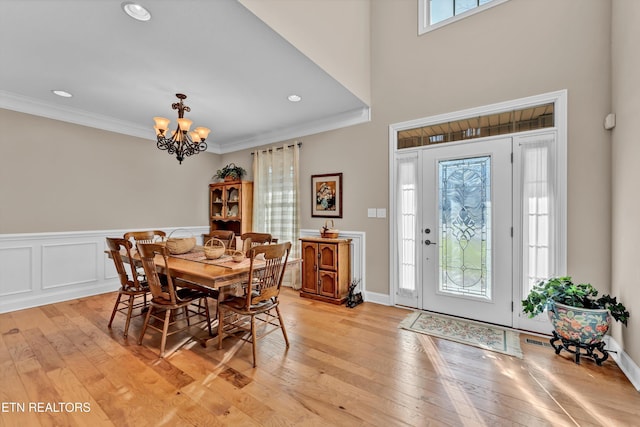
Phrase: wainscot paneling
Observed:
(42, 268)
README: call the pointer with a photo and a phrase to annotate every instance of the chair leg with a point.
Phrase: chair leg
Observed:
(253, 339)
(284, 331)
(129, 312)
(115, 308)
(146, 323)
(206, 309)
(220, 327)
(165, 330)
(186, 314)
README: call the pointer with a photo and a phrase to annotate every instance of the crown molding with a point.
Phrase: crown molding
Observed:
(23, 104)
(349, 118)
(11, 101)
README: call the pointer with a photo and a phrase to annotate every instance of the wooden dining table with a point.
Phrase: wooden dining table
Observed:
(202, 274)
(193, 271)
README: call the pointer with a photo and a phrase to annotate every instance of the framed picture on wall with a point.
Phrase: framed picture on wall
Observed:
(326, 195)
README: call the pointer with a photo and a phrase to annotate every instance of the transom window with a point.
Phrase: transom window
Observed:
(502, 123)
(437, 13)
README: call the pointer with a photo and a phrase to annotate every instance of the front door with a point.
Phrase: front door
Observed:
(467, 230)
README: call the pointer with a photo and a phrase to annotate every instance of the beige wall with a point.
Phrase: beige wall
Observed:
(496, 56)
(625, 170)
(333, 34)
(491, 58)
(58, 176)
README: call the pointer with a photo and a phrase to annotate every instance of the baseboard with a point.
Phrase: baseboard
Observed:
(377, 298)
(626, 364)
(50, 298)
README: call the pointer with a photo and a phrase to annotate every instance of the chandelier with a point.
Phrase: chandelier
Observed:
(182, 143)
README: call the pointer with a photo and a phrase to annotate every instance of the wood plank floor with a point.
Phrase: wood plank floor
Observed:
(61, 366)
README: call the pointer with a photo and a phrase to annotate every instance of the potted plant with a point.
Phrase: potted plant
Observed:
(230, 172)
(580, 319)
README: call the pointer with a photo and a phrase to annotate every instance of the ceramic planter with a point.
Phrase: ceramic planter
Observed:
(580, 331)
(586, 326)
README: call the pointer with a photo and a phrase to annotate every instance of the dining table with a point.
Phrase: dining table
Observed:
(214, 276)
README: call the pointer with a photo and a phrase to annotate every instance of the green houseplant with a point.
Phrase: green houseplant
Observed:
(580, 318)
(562, 290)
(230, 172)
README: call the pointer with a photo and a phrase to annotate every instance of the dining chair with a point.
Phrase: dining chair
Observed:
(251, 239)
(146, 236)
(260, 298)
(227, 237)
(169, 299)
(133, 289)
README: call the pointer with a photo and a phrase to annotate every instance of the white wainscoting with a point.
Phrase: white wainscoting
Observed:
(358, 255)
(43, 268)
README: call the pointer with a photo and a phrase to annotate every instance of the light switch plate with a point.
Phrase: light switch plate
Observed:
(381, 212)
(372, 212)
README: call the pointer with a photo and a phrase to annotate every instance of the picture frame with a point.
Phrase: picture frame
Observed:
(326, 195)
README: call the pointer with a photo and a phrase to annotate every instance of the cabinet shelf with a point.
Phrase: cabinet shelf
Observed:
(231, 206)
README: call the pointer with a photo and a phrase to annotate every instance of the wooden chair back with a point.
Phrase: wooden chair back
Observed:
(226, 236)
(251, 239)
(128, 281)
(265, 282)
(147, 236)
(148, 253)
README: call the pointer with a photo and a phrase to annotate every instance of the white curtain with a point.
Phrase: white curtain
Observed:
(538, 211)
(406, 212)
(276, 200)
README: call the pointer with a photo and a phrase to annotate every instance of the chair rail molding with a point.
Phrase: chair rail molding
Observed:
(43, 268)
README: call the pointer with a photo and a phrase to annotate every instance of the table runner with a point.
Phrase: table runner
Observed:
(197, 254)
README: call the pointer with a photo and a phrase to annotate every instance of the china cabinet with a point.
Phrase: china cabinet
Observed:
(231, 206)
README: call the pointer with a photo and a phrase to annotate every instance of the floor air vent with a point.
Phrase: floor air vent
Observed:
(537, 342)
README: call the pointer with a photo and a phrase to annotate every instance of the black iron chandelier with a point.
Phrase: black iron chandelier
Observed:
(182, 143)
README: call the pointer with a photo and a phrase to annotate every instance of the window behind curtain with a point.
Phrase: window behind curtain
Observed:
(276, 194)
(407, 210)
(538, 210)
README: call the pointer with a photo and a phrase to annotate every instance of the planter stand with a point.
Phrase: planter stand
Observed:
(576, 347)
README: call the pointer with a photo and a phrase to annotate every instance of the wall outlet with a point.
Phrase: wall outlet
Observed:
(381, 212)
(372, 212)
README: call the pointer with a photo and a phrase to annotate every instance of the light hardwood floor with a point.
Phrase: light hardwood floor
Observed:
(345, 367)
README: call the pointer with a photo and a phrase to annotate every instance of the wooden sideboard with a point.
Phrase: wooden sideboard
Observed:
(326, 269)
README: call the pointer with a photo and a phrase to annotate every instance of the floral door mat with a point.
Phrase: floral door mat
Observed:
(482, 335)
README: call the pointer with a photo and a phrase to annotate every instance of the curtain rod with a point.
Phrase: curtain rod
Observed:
(299, 144)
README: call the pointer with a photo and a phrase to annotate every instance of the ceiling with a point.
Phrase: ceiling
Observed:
(235, 70)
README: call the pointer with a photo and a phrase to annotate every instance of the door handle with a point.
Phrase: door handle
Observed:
(429, 242)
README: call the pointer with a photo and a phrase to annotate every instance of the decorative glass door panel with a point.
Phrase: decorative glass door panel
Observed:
(465, 226)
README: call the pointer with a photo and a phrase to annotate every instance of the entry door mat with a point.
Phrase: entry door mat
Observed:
(477, 334)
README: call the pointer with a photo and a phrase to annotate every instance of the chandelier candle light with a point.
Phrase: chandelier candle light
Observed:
(182, 142)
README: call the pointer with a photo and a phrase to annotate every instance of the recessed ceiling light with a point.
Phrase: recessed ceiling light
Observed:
(62, 93)
(136, 11)
(294, 98)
